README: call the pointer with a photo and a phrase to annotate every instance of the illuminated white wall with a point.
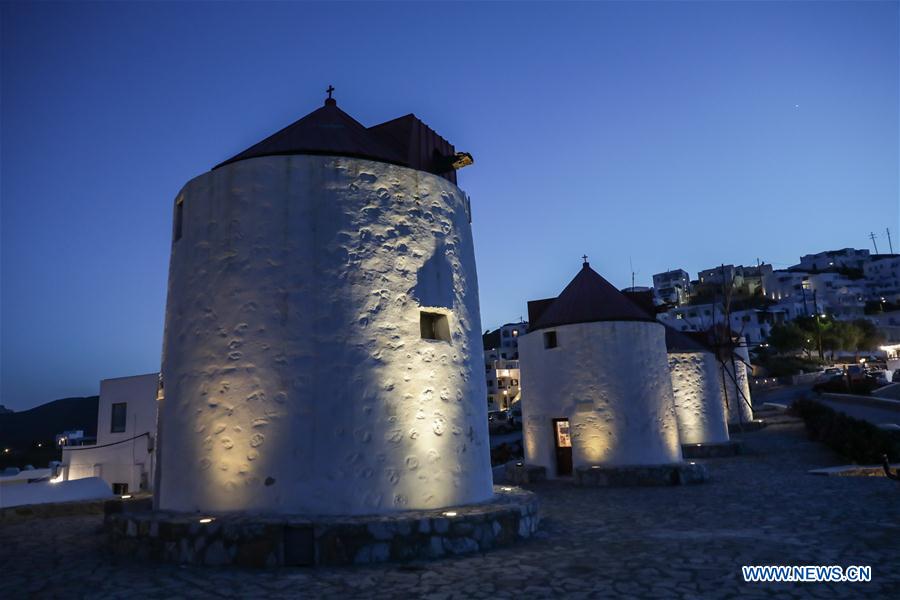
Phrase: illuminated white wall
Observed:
(699, 403)
(611, 380)
(738, 409)
(296, 379)
(121, 456)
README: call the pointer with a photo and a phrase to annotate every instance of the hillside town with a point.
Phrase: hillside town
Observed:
(847, 285)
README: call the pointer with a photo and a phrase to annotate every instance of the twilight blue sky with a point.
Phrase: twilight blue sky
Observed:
(666, 134)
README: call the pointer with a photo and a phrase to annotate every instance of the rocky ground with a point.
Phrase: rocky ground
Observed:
(689, 542)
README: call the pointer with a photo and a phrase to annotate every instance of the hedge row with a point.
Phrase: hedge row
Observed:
(860, 441)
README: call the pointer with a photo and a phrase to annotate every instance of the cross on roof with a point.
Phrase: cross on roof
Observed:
(584, 258)
(329, 90)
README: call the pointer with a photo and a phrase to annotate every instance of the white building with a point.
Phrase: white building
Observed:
(846, 258)
(692, 317)
(126, 430)
(503, 381)
(882, 274)
(697, 388)
(501, 365)
(673, 287)
(727, 274)
(888, 324)
(322, 350)
(596, 384)
(828, 292)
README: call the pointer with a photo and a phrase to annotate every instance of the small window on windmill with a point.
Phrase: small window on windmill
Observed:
(179, 219)
(434, 326)
(550, 339)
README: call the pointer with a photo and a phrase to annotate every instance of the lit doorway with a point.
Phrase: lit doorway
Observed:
(563, 445)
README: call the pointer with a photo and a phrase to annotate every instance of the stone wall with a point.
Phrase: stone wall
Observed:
(272, 541)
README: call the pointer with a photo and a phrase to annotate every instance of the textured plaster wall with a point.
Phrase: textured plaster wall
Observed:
(738, 409)
(296, 379)
(699, 403)
(611, 380)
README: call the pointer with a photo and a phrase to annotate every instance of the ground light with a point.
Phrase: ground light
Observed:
(450, 513)
(206, 520)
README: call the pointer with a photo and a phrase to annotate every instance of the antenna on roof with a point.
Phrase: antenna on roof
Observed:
(872, 237)
(890, 244)
(631, 264)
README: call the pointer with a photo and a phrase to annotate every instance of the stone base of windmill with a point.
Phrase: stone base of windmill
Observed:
(519, 473)
(746, 427)
(283, 540)
(685, 473)
(718, 450)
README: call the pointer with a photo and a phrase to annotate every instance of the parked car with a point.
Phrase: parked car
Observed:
(878, 375)
(834, 384)
(831, 371)
(498, 421)
(856, 373)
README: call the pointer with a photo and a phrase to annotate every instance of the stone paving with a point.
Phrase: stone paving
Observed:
(674, 542)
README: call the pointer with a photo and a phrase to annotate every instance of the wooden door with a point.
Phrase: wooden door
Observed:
(563, 443)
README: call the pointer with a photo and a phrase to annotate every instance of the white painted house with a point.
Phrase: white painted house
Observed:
(697, 388)
(673, 287)
(595, 381)
(126, 430)
(322, 349)
(501, 365)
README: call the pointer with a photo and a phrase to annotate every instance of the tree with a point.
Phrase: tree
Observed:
(841, 335)
(788, 337)
(869, 338)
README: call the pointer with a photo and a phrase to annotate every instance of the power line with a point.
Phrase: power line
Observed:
(75, 448)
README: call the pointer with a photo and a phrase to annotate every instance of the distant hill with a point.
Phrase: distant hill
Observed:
(21, 432)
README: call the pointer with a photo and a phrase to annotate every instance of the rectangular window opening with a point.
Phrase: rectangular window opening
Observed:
(550, 339)
(434, 326)
(117, 424)
(179, 219)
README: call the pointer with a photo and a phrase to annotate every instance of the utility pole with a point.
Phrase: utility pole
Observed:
(818, 326)
(803, 292)
(631, 264)
(872, 237)
(890, 245)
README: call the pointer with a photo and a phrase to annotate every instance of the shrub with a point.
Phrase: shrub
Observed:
(860, 441)
(782, 366)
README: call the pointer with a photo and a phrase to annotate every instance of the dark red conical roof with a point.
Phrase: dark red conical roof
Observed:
(326, 131)
(679, 341)
(588, 298)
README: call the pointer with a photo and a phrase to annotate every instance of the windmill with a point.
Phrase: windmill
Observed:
(726, 343)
